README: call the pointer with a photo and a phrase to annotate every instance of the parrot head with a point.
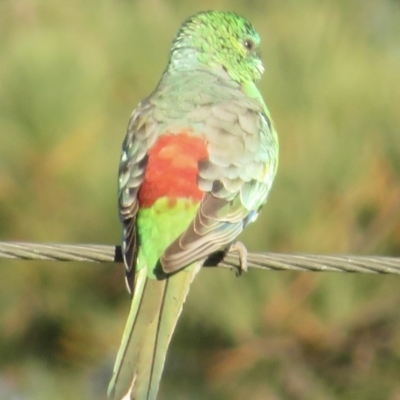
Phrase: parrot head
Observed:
(216, 39)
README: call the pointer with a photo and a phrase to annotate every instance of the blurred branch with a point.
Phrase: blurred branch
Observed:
(269, 261)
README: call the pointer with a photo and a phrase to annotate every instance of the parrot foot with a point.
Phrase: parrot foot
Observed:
(241, 250)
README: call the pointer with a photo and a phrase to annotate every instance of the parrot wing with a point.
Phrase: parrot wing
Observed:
(141, 134)
(236, 179)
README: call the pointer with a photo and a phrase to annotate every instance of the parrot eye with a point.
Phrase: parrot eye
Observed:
(248, 45)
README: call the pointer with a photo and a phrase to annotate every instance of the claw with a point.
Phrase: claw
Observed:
(241, 250)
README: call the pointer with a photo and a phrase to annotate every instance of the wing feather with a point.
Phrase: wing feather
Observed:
(236, 177)
(140, 136)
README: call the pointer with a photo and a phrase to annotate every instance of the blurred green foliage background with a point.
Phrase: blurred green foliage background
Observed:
(70, 75)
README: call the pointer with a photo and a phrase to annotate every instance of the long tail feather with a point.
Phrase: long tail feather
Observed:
(155, 308)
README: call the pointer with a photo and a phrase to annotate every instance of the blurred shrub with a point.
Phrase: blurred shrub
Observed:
(70, 74)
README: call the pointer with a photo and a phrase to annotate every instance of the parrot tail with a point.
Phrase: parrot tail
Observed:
(155, 308)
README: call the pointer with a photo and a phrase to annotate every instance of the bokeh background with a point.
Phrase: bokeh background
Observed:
(70, 74)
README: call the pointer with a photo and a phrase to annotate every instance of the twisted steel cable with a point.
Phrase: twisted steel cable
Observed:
(269, 261)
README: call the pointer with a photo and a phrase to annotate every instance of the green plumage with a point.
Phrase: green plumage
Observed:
(207, 95)
(156, 304)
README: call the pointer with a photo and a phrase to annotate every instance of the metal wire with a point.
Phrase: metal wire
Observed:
(269, 261)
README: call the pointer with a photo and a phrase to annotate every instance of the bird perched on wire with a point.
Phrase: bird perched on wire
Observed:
(197, 164)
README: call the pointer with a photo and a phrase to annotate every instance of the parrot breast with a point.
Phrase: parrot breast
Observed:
(172, 169)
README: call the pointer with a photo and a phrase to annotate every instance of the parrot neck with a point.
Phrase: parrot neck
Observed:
(183, 59)
(189, 61)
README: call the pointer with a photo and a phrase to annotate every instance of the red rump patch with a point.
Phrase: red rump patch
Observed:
(172, 169)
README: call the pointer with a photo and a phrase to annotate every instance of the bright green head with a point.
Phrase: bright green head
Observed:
(219, 40)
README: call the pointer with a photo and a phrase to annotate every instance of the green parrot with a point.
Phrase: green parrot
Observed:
(197, 164)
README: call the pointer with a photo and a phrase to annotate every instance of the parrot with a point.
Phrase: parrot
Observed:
(197, 164)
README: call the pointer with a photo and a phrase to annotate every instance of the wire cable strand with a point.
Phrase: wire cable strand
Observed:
(268, 261)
